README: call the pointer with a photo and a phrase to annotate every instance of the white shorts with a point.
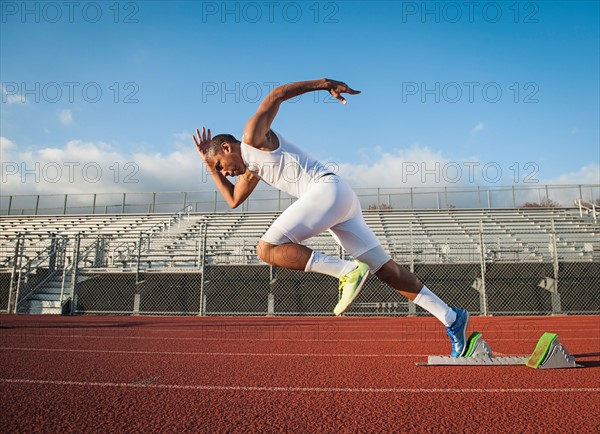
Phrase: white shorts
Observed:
(328, 204)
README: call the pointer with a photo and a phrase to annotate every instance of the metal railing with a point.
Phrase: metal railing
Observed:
(588, 208)
(52, 259)
(489, 197)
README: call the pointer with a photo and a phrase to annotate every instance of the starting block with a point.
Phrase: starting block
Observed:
(549, 353)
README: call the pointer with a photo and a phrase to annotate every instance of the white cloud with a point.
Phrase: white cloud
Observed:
(185, 136)
(65, 117)
(478, 128)
(413, 167)
(565, 188)
(6, 144)
(98, 167)
(588, 174)
(12, 95)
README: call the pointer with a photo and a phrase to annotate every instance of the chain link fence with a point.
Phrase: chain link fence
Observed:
(211, 268)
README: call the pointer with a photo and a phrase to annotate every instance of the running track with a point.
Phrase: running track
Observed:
(134, 374)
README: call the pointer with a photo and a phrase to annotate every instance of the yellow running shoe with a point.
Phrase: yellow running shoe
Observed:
(350, 285)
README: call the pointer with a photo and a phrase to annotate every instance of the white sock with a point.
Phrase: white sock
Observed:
(331, 265)
(434, 305)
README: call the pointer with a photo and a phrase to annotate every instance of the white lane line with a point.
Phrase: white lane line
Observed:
(429, 338)
(186, 353)
(331, 328)
(295, 389)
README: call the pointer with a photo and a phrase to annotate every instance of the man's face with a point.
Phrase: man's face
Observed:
(228, 162)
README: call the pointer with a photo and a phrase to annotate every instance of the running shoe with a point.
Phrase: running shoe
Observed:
(457, 332)
(350, 285)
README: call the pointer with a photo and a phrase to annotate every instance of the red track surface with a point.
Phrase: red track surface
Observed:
(133, 374)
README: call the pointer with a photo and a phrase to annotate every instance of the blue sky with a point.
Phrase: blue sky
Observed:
(514, 85)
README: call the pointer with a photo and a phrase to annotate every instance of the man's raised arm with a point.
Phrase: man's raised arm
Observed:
(259, 125)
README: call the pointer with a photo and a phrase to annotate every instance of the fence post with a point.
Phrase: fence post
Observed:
(13, 276)
(551, 284)
(136, 295)
(446, 196)
(139, 256)
(123, 204)
(412, 307)
(9, 204)
(271, 296)
(479, 285)
(198, 254)
(75, 273)
(202, 306)
(514, 197)
(20, 271)
(37, 204)
(65, 205)
(52, 254)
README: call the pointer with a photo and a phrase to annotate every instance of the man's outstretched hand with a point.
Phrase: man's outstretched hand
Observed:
(202, 141)
(336, 88)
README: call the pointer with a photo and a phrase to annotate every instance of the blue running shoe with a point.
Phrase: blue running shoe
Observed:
(457, 332)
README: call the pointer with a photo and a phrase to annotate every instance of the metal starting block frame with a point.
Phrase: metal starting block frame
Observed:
(549, 353)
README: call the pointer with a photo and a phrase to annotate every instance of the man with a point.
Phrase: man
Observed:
(325, 202)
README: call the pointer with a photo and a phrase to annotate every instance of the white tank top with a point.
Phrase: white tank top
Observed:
(288, 168)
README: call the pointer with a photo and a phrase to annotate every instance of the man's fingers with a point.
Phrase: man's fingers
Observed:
(345, 89)
(205, 137)
(337, 96)
(348, 89)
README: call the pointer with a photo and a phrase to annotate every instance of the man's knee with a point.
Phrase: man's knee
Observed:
(376, 258)
(264, 251)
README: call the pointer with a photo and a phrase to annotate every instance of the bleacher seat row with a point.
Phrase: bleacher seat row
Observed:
(430, 235)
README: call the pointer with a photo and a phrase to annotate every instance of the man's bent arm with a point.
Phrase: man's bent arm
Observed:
(235, 194)
(259, 125)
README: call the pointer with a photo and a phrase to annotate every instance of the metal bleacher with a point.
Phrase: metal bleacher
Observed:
(45, 248)
(428, 235)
